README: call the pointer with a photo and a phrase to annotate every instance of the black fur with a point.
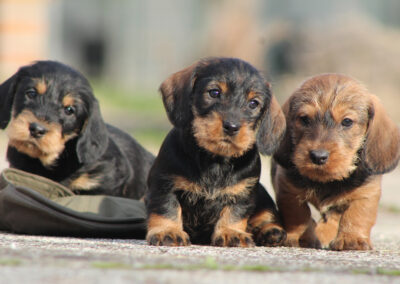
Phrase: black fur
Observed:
(181, 155)
(101, 152)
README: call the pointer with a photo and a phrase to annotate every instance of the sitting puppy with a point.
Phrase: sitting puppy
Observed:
(55, 130)
(204, 185)
(339, 141)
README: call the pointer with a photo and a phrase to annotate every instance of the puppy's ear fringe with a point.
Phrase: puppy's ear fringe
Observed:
(7, 92)
(284, 151)
(271, 129)
(175, 92)
(381, 151)
(93, 139)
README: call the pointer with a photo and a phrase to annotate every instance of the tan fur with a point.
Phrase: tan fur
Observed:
(47, 148)
(84, 182)
(160, 227)
(195, 191)
(41, 87)
(347, 217)
(68, 100)
(263, 222)
(228, 229)
(209, 134)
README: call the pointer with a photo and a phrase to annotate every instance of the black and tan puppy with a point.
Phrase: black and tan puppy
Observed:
(204, 186)
(55, 130)
(339, 141)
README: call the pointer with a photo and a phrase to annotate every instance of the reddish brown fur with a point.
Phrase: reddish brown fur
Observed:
(209, 133)
(348, 216)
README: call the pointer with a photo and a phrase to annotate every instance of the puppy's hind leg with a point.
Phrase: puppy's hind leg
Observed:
(264, 223)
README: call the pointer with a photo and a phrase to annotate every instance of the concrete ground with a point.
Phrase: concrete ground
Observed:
(36, 259)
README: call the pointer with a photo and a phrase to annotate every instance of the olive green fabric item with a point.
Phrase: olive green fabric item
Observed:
(31, 204)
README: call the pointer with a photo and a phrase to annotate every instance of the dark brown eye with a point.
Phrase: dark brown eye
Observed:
(347, 122)
(31, 93)
(69, 110)
(305, 120)
(253, 104)
(214, 93)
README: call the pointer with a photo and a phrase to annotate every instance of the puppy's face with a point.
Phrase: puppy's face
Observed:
(50, 107)
(329, 117)
(225, 102)
(228, 103)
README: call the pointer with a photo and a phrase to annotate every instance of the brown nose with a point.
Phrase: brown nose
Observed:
(231, 128)
(36, 130)
(319, 157)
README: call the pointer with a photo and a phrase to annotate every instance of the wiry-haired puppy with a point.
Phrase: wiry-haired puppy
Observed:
(339, 141)
(204, 186)
(55, 130)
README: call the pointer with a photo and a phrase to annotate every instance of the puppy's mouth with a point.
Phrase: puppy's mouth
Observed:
(324, 167)
(35, 138)
(210, 135)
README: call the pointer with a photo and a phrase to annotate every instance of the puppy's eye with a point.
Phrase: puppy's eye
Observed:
(31, 93)
(347, 122)
(253, 104)
(214, 93)
(69, 110)
(305, 120)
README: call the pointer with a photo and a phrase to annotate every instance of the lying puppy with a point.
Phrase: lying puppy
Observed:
(55, 130)
(204, 185)
(339, 141)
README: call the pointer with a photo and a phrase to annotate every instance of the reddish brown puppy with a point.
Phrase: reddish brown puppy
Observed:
(339, 142)
(204, 185)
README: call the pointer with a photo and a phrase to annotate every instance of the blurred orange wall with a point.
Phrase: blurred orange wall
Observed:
(23, 33)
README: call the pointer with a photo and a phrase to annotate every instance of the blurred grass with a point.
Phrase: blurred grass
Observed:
(140, 101)
(139, 112)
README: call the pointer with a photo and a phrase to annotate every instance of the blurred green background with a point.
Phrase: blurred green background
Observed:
(128, 47)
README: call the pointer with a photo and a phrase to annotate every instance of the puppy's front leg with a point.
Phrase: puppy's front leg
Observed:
(164, 225)
(357, 221)
(296, 215)
(230, 230)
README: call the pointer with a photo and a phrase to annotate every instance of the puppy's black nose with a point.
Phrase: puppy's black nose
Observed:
(37, 130)
(231, 128)
(319, 157)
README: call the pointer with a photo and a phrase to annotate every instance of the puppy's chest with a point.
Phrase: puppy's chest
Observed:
(223, 188)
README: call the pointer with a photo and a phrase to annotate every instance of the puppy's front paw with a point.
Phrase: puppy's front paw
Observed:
(167, 238)
(350, 242)
(304, 241)
(232, 238)
(270, 235)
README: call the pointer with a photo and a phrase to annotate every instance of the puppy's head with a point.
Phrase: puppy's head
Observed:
(334, 125)
(47, 104)
(227, 105)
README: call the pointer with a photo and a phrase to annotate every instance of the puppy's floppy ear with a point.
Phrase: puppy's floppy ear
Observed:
(271, 129)
(284, 152)
(93, 139)
(381, 151)
(7, 92)
(176, 91)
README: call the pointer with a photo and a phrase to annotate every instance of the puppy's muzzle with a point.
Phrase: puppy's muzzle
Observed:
(319, 157)
(231, 128)
(37, 130)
